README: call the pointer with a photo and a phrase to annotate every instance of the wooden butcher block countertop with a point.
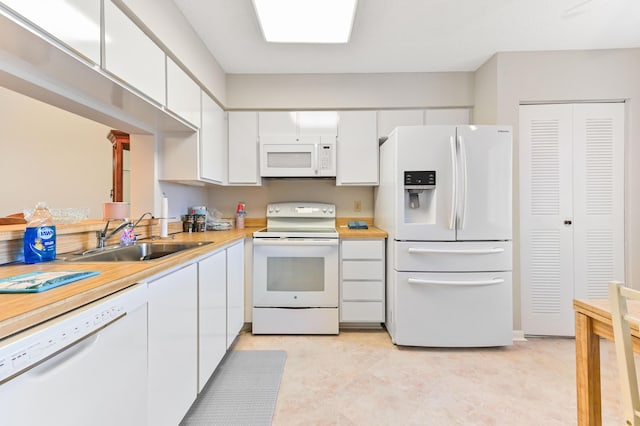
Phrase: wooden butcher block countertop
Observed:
(21, 311)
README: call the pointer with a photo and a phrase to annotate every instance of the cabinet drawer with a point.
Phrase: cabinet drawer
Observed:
(362, 270)
(362, 290)
(362, 312)
(363, 249)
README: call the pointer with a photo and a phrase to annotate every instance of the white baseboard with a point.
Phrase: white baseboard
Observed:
(518, 336)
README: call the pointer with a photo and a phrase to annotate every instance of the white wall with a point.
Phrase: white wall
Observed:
(225, 199)
(571, 76)
(342, 91)
(48, 154)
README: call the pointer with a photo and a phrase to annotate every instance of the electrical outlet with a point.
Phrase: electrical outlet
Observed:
(357, 206)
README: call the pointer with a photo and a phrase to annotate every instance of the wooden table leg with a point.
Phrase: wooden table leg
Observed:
(587, 372)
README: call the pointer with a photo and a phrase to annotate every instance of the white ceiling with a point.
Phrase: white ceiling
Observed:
(417, 35)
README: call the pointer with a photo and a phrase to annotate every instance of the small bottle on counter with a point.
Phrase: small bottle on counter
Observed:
(240, 213)
(40, 236)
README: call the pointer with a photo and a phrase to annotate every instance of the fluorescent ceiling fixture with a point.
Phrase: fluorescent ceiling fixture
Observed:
(306, 21)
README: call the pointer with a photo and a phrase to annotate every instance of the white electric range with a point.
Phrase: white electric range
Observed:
(295, 270)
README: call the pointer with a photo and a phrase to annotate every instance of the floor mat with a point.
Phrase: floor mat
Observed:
(242, 391)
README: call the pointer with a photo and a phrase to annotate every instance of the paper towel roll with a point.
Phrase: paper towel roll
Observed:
(164, 218)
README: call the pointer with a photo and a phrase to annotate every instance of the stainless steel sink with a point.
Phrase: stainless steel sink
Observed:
(135, 253)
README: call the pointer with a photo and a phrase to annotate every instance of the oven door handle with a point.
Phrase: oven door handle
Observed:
(295, 242)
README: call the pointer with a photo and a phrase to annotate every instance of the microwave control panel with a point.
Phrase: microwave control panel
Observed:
(325, 159)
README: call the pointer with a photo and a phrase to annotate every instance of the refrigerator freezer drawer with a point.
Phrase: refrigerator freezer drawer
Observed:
(452, 256)
(453, 309)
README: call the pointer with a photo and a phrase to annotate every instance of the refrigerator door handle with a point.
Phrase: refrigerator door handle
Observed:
(493, 281)
(463, 160)
(454, 178)
(451, 251)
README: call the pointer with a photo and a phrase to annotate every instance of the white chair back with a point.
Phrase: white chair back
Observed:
(622, 322)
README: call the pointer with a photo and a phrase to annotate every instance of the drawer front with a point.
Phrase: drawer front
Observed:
(362, 290)
(362, 270)
(453, 256)
(363, 249)
(362, 312)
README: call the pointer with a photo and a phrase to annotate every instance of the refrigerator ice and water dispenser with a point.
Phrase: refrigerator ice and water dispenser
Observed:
(420, 196)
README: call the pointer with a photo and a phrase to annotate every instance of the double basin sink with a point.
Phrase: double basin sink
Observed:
(136, 252)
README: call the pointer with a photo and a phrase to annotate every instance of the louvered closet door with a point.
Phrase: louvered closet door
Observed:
(546, 248)
(598, 192)
(571, 207)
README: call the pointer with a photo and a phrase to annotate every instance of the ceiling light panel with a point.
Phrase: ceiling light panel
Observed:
(306, 21)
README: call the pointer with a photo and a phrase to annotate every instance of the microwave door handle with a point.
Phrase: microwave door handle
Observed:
(316, 148)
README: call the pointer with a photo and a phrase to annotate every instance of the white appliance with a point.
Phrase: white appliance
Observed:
(445, 201)
(295, 270)
(87, 367)
(307, 157)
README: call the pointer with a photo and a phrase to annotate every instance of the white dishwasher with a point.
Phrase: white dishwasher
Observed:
(87, 367)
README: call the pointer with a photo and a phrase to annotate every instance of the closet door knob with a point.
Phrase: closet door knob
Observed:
(567, 222)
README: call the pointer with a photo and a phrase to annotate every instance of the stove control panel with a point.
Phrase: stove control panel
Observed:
(301, 210)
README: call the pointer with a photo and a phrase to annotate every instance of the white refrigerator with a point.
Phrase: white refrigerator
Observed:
(445, 200)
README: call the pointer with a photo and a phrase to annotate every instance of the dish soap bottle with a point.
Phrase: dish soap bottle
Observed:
(40, 236)
(240, 212)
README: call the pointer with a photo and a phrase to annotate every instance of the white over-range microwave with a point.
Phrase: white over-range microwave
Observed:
(305, 157)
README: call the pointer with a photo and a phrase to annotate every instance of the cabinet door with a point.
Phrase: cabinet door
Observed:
(357, 149)
(243, 148)
(278, 126)
(444, 116)
(390, 119)
(76, 23)
(235, 291)
(213, 141)
(183, 94)
(212, 314)
(132, 56)
(173, 346)
(317, 123)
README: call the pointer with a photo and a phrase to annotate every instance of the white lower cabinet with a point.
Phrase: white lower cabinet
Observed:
(212, 314)
(235, 291)
(362, 280)
(172, 345)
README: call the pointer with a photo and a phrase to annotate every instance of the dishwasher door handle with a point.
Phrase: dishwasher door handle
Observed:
(66, 353)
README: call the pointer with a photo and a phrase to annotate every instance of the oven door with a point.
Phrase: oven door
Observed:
(295, 272)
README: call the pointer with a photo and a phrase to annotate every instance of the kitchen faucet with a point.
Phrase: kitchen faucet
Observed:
(103, 235)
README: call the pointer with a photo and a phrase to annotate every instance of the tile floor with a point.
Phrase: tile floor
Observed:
(361, 378)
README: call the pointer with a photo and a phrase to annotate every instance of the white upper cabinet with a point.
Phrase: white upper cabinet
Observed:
(290, 126)
(183, 94)
(213, 142)
(390, 119)
(76, 23)
(446, 116)
(317, 123)
(357, 148)
(244, 166)
(132, 56)
(198, 156)
(278, 126)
